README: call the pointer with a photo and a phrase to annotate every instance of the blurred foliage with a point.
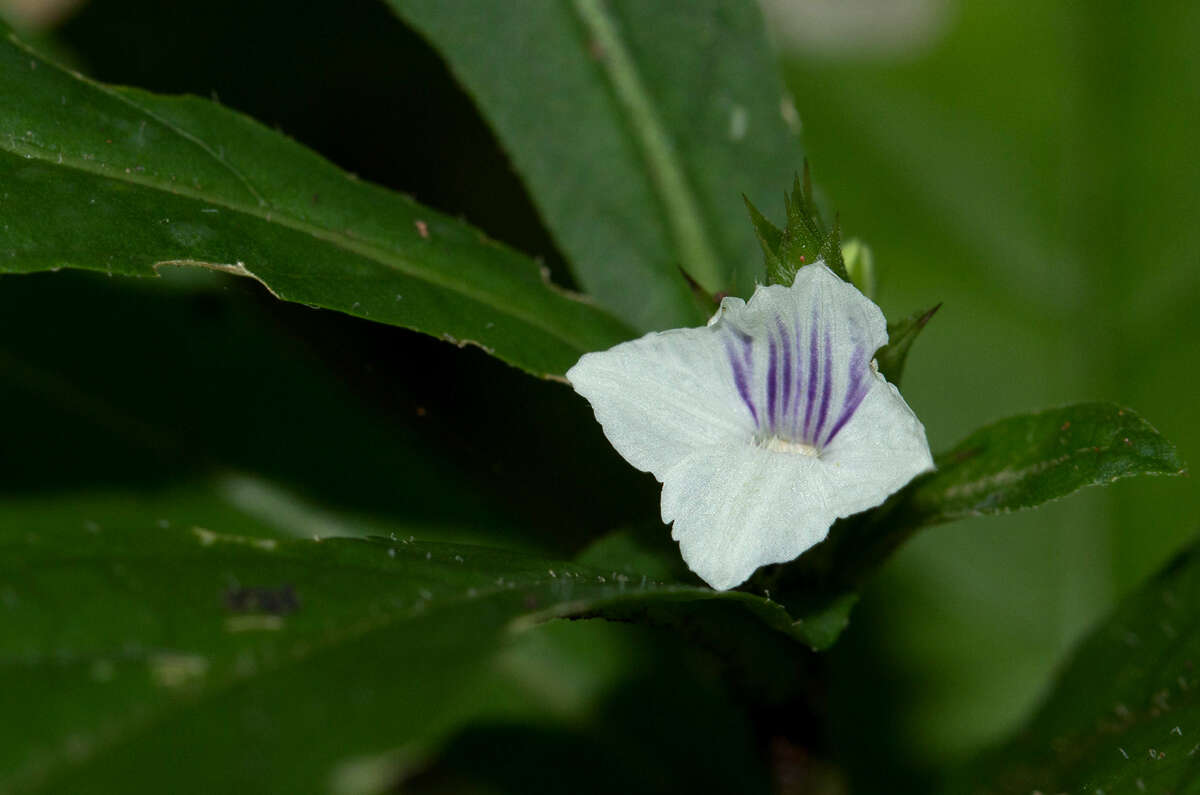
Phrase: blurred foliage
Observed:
(215, 376)
(622, 746)
(1033, 167)
(1029, 165)
(635, 127)
(1123, 714)
(161, 650)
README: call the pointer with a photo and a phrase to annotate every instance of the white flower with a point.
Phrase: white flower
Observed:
(765, 426)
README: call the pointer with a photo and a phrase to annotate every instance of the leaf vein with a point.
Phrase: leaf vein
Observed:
(668, 176)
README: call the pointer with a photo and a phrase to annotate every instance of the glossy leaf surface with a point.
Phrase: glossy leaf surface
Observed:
(141, 646)
(636, 127)
(1024, 461)
(126, 182)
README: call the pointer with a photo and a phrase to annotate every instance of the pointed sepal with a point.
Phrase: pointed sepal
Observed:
(804, 238)
(769, 237)
(901, 334)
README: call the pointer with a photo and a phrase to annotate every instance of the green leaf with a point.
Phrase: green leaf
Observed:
(125, 182)
(139, 647)
(825, 620)
(636, 126)
(901, 335)
(1024, 461)
(648, 551)
(1014, 464)
(1125, 713)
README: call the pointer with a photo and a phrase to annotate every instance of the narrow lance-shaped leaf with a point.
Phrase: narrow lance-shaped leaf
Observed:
(140, 648)
(1014, 464)
(1024, 461)
(636, 127)
(1125, 713)
(123, 181)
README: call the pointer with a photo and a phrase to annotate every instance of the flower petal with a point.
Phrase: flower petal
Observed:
(664, 396)
(735, 509)
(764, 427)
(882, 447)
(804, 364)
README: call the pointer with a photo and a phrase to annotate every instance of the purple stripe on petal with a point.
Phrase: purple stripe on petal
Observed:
(826, 387)
(794, 429)
(856, 391)
(811, 374)
(786, 403)
(739, 361)
(772, 382)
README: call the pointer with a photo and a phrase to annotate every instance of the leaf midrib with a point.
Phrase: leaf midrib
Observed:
(371, 252)
(271, 215)
(667, 174)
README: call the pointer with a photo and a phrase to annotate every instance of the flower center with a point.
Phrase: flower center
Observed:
(778, 445)
(799, 388)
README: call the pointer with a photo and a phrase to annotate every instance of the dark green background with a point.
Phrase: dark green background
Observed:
(1032, 165)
